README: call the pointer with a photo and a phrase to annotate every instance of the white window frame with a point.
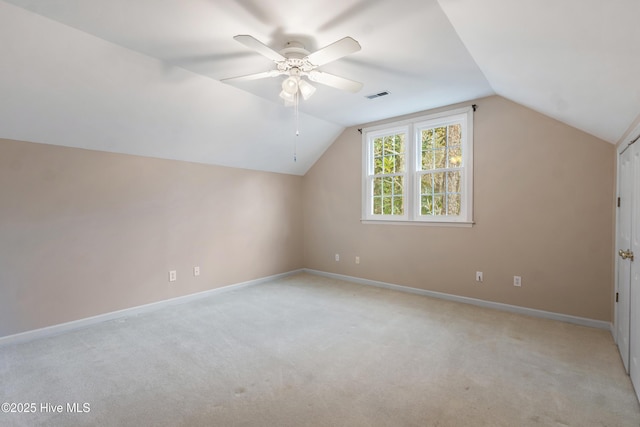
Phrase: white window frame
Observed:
(387, 131)
(413, 128)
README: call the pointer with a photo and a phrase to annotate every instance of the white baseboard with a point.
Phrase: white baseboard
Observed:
(88, 321)
(583, 321)
(83, 323)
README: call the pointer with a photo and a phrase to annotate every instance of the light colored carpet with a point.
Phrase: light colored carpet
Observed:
(311, 351)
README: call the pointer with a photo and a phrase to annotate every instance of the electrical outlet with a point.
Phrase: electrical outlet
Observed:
(517, 281)
(196, 271)
(173, 276)
(357, 260)
(337, 257)
(478, 276)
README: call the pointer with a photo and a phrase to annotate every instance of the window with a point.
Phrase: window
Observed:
(389, 173)
(420, 170)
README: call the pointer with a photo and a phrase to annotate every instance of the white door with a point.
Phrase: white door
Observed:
(634, 266)
(623, 242)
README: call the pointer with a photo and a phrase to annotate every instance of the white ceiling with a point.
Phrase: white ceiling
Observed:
(143, 77)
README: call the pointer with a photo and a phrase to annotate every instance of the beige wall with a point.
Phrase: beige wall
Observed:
(543, 209)
(84, 232)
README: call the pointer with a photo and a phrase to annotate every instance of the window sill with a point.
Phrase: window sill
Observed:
(419, 223)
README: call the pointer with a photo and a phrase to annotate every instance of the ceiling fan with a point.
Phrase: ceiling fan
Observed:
(296, 62)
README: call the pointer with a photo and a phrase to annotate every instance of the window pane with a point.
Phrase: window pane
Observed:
(397, 206)
(377, 205)
(453, 204)
(388, 145)
(377, 165)
(439, 182)
(377, 155)
(426, 184)
(377, 186)
(397, 185)
(453, 182)
(399, 161)
(387, 184)
(440, 193)
(440, 157)
(427, 139)
(455, 135)
(388, 164)
(377, 147)
(454, 157)
(426, 205)
(388, 196)
(438, 204)
(441, 147)
(440, 137)
(399, 143)
(389, 154)
(427, 160)
(386, 205)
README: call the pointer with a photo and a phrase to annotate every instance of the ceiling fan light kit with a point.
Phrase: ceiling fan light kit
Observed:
(295, 62)
(306, 89)
(294, 84)
(290, 85)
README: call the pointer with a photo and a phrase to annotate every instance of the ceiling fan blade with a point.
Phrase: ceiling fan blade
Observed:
(335, 81)
(255, 44)
(256, 76)
(336, 50)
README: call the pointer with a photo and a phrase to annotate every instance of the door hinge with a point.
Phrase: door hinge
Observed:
(618, 201)
(616, 297)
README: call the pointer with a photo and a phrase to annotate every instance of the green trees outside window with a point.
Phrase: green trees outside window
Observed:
(441, 158)
(388, 169)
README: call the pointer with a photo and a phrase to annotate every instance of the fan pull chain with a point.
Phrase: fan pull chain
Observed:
(295, 140)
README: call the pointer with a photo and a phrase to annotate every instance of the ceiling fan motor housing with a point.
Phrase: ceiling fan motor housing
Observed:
(295, 62)
(294, 50)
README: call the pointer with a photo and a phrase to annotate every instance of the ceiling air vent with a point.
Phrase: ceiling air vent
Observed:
(377, 95)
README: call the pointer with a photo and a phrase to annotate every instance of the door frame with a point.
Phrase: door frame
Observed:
(631, 138)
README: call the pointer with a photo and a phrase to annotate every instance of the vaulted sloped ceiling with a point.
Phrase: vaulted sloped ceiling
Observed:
(143, 77)
(576, 61)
